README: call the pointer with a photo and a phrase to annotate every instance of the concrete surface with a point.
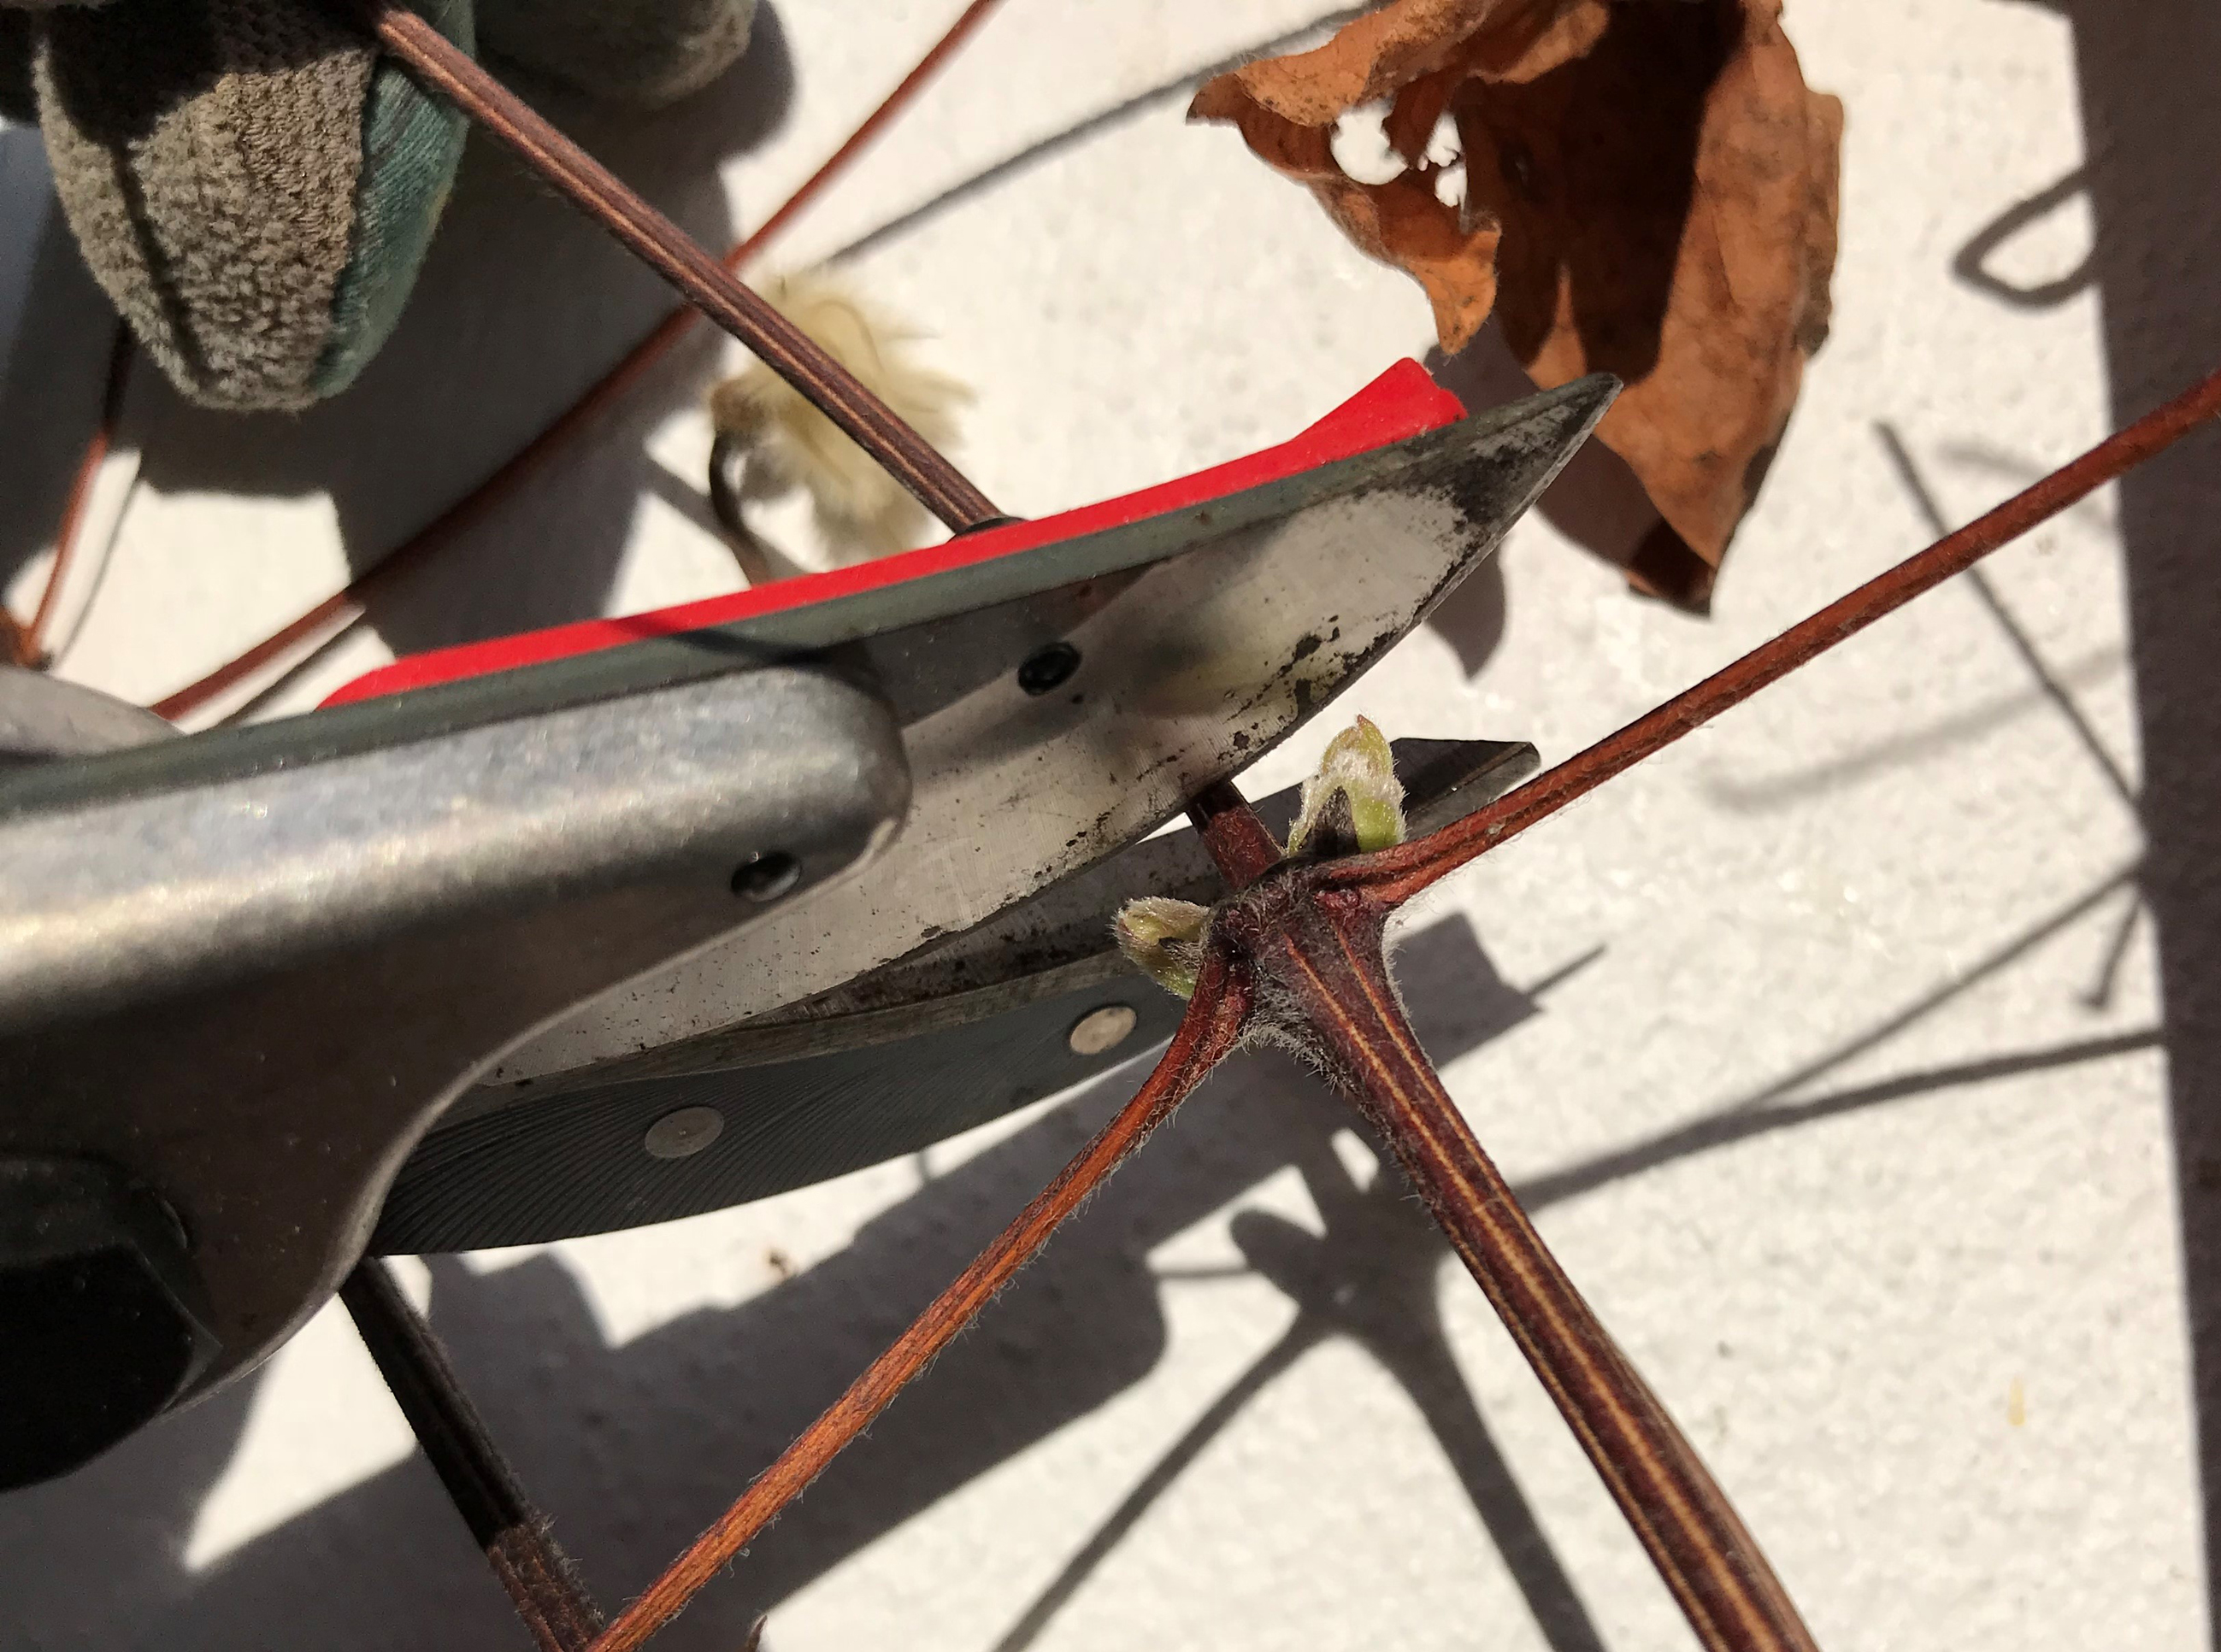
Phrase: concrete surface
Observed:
(1829, 1047)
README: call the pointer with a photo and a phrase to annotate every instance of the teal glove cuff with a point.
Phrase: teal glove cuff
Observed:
(411, 141)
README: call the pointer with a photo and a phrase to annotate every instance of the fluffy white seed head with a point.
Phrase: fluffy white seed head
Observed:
(861, 510)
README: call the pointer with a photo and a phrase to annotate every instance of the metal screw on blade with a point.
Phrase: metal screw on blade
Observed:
(1102, 1029)
(682, 1134)
(1049, 668)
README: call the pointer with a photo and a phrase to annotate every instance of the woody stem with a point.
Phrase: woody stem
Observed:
(1315, 952)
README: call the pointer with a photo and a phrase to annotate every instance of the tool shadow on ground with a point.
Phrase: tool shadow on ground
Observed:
(2151, 126)
(634, 1449)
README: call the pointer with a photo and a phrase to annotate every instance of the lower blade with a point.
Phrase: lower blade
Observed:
(892, 1064)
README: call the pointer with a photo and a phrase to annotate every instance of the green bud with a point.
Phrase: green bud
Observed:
(1359, 767)
(1163, 939)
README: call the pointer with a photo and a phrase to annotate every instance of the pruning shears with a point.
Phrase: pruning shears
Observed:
(641, 917)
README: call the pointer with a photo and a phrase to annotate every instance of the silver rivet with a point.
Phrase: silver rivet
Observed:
(1102, 1029)
(681, 1134)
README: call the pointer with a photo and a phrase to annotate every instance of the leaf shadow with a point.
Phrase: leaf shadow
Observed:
(1970, 264)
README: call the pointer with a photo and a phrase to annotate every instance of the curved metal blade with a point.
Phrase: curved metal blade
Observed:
(1029, 1003)
(1187, 670)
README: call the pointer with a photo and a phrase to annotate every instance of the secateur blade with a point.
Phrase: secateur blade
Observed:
(1065, 685)
(969, 970)
(960, 1032)
(249, 970)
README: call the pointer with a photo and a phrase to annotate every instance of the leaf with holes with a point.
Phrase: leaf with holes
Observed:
(1650, 190)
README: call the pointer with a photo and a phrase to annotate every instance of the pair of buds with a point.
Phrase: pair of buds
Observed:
(1351, 805)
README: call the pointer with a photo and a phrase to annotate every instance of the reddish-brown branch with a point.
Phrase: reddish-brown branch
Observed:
(26, 644)
(71, 526)
(343, 608)
(705, 282)
(1396, 874)
(1314, 950)
(539, 1577)
(1320, 950)
(1310, 937)
(1211, 1029)
(1237, 838)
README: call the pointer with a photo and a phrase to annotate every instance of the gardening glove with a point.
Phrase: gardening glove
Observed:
(256, 186)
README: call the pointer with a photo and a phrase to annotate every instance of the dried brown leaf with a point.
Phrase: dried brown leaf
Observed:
(1651, 191)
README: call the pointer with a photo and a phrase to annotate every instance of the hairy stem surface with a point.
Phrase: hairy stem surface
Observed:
(1211, 1029)
(1323, 987)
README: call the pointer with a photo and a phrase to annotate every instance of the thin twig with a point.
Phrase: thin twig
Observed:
(1309, 937)
(345, 606)
(446, 68)
(1398, 874)
(1311, 946)
(71, 526)
(1209, 1030)
(1237, 840)
(479, 1482)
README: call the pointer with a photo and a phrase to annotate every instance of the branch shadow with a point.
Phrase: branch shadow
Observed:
(1753, 794)
(1971, 264)
(1371, 1276)
(1044, 150)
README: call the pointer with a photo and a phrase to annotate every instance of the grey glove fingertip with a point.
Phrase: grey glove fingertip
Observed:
(251, 185)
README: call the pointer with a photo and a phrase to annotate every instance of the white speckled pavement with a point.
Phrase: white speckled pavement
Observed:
(1829, 1045)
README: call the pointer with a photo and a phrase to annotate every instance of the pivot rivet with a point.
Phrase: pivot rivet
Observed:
(1048, 667)
(682, 1134)
(1101, 1029)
